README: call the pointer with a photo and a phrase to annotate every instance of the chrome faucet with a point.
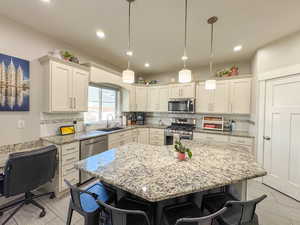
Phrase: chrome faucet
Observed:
(107, 119)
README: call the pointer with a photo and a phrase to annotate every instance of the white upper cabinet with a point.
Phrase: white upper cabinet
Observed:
(66, 86)
(240, 96)
(163, 98)
(182, 90)
(141, 99)
(132, 99)
(212, 101)
(230, 96)
(158, 97)
(80, 90)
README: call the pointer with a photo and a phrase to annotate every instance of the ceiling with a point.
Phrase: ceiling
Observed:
(158, 28)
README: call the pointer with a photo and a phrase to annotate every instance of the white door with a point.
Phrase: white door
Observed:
(61, 88)
(141, 99)
(80, 90)
(163, 98)
(282, 135)
(240, 96)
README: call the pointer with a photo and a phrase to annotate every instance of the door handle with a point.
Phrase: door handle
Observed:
(267, 138)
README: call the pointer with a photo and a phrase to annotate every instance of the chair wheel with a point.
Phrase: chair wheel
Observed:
(52, 196)
(43, 213)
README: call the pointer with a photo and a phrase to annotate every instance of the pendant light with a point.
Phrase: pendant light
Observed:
(185, 75)
(128, 74)
(211, 84)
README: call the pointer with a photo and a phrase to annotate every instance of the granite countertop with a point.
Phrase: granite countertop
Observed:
(230, 133)
(59, 140)
(154, 173)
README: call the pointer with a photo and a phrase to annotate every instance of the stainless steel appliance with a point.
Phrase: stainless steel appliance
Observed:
(182, 127)
(181, 105)
(89, 148)
(140, 118)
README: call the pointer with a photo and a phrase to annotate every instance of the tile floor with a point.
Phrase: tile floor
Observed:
(277, 209)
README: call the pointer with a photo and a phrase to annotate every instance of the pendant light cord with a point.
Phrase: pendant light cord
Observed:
(185, 33)
(211, 49)
(129, 32)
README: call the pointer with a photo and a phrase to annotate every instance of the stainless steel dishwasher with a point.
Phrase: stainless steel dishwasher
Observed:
(89, 148)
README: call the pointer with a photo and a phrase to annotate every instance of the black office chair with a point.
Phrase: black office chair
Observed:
(24, 172)
(238, 213)
(84, 202)
(188, 213)
(131, 213)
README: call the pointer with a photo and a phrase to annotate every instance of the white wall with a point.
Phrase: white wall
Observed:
(201, 73)
(23, 42)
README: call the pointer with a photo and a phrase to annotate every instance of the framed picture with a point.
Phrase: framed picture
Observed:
(14, 84)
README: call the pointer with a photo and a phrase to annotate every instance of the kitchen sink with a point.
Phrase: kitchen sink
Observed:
(111, 129)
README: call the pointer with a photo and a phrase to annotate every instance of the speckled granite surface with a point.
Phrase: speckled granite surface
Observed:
(59, 140)
(232, 133)
(154, 173)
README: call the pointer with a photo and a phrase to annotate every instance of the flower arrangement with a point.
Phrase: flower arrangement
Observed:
(182, 151)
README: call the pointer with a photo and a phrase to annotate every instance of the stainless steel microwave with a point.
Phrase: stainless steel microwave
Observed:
(181, 105)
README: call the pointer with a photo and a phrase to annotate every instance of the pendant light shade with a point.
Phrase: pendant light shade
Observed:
(185, 76)
(210, 84)
(128, 76)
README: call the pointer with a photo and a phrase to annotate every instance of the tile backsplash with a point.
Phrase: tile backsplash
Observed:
(242, 121)
(50, 123)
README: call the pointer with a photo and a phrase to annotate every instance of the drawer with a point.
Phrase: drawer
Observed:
(156, 136)
(156, 131)
(69, 148)
(73, 178)
(157, 142)
(70, 158)
(67, 169)
(241, 140)
(120, 135)
(211, 137)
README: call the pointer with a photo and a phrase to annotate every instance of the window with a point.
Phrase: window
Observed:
(102, 104)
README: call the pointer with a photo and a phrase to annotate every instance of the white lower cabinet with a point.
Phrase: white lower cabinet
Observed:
(246, 143)
(143, 135)
(156, 136)
(119, 138)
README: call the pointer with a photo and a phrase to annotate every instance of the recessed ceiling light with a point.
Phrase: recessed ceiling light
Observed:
(147, 64)
(46, 1)
(237, 48)
(129, 53)
(100, 34)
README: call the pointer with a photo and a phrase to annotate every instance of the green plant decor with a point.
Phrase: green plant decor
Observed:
(182, 149)
(66, 54)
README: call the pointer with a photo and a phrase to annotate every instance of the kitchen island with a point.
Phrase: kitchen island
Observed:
(154, 173)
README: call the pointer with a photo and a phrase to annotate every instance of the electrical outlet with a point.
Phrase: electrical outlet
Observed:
(21, 124)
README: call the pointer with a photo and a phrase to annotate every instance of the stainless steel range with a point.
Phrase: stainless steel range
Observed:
(182, 128)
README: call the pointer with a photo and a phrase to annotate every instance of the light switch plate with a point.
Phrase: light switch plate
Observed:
(21, 124)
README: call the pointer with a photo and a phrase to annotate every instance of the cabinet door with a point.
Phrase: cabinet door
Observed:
(240, 96)
(163, 98)
(221, 97)
(187, 90)
(141, 99)
(61, 88)
(174, 91)
(203, 99)
(153, 99)
(132, 99)
(80, 90)
(143, 136)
